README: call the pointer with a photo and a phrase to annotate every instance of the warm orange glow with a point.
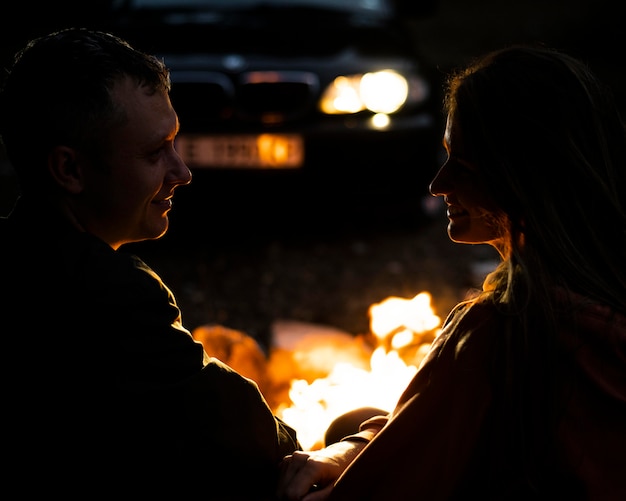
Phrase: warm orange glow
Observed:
(413, 315)
(403, 331)
(316, 373)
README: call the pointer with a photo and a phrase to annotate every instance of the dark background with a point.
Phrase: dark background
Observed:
(456, 31)
(332, 279)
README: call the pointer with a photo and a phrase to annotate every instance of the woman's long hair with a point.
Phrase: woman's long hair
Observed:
(549, 140)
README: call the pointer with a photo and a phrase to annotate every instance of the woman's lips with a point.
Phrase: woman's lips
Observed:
(455, 211)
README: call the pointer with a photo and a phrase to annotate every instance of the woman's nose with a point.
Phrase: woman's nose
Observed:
(437, 186)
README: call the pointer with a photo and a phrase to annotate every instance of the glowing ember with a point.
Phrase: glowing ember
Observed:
(403, 330)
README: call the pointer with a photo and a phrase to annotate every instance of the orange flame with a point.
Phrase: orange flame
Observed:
(403, 330)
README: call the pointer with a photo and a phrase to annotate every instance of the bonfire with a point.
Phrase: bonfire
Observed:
(313, 374)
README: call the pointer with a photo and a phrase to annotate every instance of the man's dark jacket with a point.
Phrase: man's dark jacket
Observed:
(105, 390)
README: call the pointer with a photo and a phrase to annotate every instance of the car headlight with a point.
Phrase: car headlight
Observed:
(380, 92)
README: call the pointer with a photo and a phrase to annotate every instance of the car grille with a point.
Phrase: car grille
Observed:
(205, 99)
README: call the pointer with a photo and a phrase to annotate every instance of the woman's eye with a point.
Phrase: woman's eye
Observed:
(464, 166)
(454, 162)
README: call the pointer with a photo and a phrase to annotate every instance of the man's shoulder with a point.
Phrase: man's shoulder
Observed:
(5, 223)
(13, 240)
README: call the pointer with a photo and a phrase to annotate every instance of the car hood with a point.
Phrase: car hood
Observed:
(265, 29)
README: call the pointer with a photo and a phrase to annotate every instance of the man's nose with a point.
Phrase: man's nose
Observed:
(181, 173)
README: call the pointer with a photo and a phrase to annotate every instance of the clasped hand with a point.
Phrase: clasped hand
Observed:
(311, 475)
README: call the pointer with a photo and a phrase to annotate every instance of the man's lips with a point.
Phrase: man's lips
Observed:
(165, 203)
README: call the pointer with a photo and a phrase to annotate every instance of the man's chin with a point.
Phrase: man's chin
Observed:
(161, 231)
(155, 231)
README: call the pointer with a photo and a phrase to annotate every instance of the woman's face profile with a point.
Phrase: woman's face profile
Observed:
(472, 212)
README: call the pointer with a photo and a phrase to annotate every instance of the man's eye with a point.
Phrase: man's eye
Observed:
(155, 154)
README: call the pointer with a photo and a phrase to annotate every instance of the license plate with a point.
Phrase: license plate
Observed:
(264, 151)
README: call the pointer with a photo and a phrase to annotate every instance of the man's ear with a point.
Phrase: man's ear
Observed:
(66, 169)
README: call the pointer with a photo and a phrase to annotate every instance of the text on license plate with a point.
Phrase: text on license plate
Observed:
(265, 151)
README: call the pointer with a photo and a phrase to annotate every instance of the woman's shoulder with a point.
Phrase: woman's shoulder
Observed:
(470, 330)
(474, 315)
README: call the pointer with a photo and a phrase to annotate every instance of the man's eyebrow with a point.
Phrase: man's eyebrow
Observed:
(170, 135)
(160, 140)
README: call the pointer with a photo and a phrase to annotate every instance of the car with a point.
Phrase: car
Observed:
(294, 115)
